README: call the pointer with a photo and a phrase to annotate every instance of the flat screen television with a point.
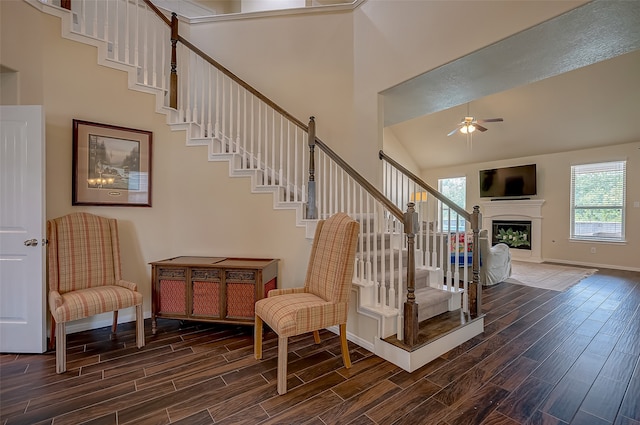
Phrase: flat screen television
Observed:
(516, 181)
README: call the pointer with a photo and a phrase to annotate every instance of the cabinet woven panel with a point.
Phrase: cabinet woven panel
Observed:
(172, 296)
(206, 300)
(240, 300)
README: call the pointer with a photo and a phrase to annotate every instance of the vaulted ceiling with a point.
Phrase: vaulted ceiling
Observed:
(570, 83)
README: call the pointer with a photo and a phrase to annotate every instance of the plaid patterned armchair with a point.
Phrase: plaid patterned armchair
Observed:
(324, 299)
(85, 276)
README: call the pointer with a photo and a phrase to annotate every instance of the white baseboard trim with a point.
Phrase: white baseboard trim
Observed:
(593, 265)
(353, 338)
(103, 320)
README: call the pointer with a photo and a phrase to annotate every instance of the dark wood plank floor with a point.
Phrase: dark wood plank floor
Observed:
(545, 357)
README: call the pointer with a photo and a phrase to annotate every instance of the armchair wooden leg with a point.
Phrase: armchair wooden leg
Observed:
(114, 325)
(139, 327)
(61, 348)
(343, 345)
(282, 365)
(316, 337)
(257, 338)
(52, 338)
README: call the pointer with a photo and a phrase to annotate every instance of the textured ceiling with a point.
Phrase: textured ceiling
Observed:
(577, 85)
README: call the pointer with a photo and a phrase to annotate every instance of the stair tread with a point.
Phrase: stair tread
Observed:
(431, 296)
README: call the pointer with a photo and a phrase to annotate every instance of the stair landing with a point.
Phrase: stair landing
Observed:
(436, 336)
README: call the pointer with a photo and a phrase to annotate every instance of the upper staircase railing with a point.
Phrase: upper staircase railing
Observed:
(262, 140)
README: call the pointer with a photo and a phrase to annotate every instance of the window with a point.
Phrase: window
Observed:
(598, 201)
(455, 189)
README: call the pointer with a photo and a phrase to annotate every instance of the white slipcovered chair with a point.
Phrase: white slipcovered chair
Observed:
(496, 261)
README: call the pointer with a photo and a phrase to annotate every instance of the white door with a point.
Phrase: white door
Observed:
(22, 230)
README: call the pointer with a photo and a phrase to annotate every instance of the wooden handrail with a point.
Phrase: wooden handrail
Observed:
(244, 84)
(350, 170)
(455, 207)
(228, 73)
(158, 12)
(362, 181)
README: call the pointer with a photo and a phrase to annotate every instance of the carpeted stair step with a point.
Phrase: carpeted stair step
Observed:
(421, 277)
(432, 302)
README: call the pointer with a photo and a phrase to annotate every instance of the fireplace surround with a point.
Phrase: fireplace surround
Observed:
(517, 212)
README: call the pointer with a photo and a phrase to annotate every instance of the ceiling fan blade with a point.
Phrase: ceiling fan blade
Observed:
(480, 128)
(452, 132)
(492, 120)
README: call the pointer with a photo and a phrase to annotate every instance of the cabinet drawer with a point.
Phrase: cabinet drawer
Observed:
(240, 276)
(205, 275)
(172, 273)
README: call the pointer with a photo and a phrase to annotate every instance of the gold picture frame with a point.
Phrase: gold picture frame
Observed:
(111, 165)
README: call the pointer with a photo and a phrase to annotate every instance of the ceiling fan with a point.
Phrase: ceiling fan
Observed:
(470, 124)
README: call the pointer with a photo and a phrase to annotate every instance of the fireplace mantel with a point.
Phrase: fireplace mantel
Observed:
(524, 209)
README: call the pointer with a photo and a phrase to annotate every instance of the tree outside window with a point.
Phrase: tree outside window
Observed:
(598, 201)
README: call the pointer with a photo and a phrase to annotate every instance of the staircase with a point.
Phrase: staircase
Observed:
(432, 298)
(280, 155)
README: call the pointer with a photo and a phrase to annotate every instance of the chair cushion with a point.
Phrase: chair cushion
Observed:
(294, 314)
(91, 301)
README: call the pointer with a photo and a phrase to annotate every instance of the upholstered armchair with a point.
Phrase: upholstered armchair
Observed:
(496, 261)
(324, 299)
(85, 276)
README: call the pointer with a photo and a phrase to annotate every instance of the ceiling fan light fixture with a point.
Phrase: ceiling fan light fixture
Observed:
(467, 128)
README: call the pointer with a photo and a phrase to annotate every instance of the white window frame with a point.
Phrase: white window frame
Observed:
(444, 212)
(604, 235)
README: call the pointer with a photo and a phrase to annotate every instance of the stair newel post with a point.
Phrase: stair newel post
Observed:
(475, 289)
(411, 324)
(173, 88)
(312, 211)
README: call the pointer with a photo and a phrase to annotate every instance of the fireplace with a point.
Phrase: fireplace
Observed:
(515, 233)
(516, 211)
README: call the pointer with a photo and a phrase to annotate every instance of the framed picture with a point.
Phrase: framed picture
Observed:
(111, 165)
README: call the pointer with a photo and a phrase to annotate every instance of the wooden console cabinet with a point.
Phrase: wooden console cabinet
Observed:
(210, 289)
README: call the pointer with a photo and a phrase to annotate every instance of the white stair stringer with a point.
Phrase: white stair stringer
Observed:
(217, 153)
(103, 59)
(193, 131)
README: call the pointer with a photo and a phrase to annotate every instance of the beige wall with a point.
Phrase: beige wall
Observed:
(397, 40)
(334, 65)
(328, 65)
(197, 209)
(554, 173)
(304, 63)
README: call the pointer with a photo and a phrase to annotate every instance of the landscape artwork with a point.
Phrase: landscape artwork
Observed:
(111, 165)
